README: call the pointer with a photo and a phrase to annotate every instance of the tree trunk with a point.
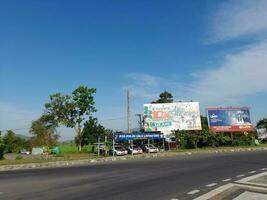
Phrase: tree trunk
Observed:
(79, 137)
(80, 146)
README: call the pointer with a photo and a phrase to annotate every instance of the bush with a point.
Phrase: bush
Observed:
(2, 151)
(207, 138)
(19, 157)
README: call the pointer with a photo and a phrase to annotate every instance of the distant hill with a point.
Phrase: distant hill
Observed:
(24, 137)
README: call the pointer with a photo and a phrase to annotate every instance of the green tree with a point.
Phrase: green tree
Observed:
(72, 110)
(164, 97)
(204, 122)
(262, 123)
(11, 142)
(92, 130)
(44, 132)
(2, 147)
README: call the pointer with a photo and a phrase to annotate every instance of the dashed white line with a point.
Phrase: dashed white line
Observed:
(174, 199)
(252, 172)
(228, 179)
(211, 185)
(193, 192)
(262, 169)
(240, 175)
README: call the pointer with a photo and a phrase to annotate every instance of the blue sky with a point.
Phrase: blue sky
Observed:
(208, 51)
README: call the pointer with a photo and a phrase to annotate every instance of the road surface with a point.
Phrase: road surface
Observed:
(152, 179)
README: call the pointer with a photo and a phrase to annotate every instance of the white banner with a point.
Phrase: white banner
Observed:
(166, 117)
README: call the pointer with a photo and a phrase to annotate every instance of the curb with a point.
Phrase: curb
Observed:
(112, 159)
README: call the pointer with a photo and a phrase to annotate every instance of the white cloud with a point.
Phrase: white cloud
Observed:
(144, 85)
(237, 18)
(240, 75)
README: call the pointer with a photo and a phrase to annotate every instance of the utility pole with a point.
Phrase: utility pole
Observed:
(140, 121)
(128, 112)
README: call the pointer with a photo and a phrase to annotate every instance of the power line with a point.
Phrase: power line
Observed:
(16, 129)
(103, 120)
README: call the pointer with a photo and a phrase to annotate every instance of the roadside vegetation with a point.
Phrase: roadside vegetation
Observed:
(76, 110)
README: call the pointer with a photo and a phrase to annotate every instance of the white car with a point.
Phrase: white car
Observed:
(151, 148)
(134, 149)
(25, 152)
(119, 151)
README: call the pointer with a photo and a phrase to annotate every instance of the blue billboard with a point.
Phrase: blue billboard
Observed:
(133, 136)
(229, 119)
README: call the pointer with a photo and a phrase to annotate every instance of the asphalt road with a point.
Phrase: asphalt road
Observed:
(157, 179)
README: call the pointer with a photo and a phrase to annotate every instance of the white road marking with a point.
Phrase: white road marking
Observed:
(240, 175)
(211, 185)
(193, 192)
(174, 199)
(252, 172)
(228, 179)
(262, 169)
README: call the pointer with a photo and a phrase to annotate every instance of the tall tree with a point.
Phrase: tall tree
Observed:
(10, 141)
(2, 147)
(92, 130)
(44, 132)
(72, 110)
(164, 97)
(262, 123)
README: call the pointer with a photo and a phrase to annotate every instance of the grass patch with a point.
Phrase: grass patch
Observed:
(72, 148)
(50, 158)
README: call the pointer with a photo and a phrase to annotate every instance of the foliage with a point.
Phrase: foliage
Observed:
(72, 110)
(2, 147)
(204, 122)
(19, 157)
(44, 132)
(164, 97)
(68, 148)
(262, 123)
(14, 144)
(92, 130)
(207, 138)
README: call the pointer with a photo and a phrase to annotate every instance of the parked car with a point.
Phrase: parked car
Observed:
(134, 149)
(25, 152)
(119, 150)
(150, 148)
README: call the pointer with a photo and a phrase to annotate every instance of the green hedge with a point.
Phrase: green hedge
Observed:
(206, 138)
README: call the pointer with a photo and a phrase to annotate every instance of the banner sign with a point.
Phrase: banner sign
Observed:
(166, 117)
(133, 136)
(229, 119)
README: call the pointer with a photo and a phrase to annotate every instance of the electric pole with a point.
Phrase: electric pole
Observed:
(128, 112)
(140, 121)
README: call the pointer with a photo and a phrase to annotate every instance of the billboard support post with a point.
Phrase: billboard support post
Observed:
(132, 146)
(113, 146)
(232, 138)
(148, 144)
(163, 143)
(98, 146)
